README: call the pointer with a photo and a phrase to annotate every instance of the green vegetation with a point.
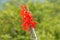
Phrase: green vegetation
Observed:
(47, 15)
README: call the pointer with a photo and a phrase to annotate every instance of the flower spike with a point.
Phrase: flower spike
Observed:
(27, 18)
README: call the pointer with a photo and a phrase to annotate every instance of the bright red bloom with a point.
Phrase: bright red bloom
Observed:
(27, 18)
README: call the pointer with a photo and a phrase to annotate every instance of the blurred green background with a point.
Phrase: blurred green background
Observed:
(45, 12)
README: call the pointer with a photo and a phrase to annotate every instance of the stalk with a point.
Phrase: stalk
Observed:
(33, 34)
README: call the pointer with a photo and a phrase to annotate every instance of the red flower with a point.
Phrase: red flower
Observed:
(27, 18)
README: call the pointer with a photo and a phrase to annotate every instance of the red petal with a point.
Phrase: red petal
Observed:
(34, 24)
(24, 6)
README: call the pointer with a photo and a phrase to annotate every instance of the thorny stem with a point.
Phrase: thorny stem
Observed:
(33, 34)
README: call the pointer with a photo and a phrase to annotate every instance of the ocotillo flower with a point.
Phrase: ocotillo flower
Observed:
(26, 18)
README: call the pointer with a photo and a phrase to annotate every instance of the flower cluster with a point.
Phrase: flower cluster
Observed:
(26, 18)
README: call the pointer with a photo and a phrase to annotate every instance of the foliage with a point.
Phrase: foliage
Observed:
(47, 15)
